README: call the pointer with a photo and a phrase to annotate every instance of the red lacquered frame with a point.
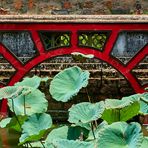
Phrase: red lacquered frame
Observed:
(74, 28)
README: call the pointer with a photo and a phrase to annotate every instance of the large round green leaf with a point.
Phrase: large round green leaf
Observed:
(121, 135)
(58, 133)
(35, 102)
(10, 91)
(64, 143)
(65, 132)
(132, 98)
(120, 110)
(30, 82)
(142, 99)
(86, 112)
(115, 103)
(67, 83)
(35, 127)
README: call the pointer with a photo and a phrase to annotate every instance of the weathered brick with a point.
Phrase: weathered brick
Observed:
(74, 7)
(18, 4)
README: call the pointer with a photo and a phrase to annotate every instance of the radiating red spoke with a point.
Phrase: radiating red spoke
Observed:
(134, 83)
(137, 58)
(110, 42)
(10, 57)
(74, 39)
(37, 41)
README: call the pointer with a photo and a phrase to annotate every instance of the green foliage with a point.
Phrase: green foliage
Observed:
(65, 133)
(29, 107)
(59, 133)
(144, 104)
(85, 112)
(121, 134)
(81, 57)
(70, 80)
(144, 142)
(10, 92)
(101, 126)
(30, 82)
(142, 99)
(13, 123)
(95, 40)
(4, 122)
(120, 110)
(35, 127)
(29, 103)
(64, 143)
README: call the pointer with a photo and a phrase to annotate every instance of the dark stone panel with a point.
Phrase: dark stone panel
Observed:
(128, 45)
(19, 43)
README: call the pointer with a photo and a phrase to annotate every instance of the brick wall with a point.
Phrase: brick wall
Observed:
(73, 7)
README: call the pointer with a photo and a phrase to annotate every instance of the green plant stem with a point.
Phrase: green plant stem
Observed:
(88, 95)
(42, 144)
(92, 128)
(24, 106)
(17, 117)
(15, 114)
(96, 124)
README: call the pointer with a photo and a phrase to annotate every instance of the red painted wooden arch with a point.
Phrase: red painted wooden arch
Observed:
(125, 70)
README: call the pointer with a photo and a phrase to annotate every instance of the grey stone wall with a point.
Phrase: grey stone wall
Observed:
(93, 7)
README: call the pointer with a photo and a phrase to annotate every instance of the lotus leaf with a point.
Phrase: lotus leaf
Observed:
(10, 91)
(121, 134)
(132, 98)
(142, 99)
(30, 82)
(120, 110)
(64, 143)
(144, 103)
(58, 133)
(77, 132)
(67, 83)
(80, 56)
(65, 132)
(89, 56)
(84, 125)
(14, 123)
(86, 112)
(4, 122)
(101, 126)
(114, 103)
(35, 102)
(35, 127)
(143, 108)
(33, 144)
(144, 142)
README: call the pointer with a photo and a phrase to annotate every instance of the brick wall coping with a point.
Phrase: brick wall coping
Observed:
(74, 18)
